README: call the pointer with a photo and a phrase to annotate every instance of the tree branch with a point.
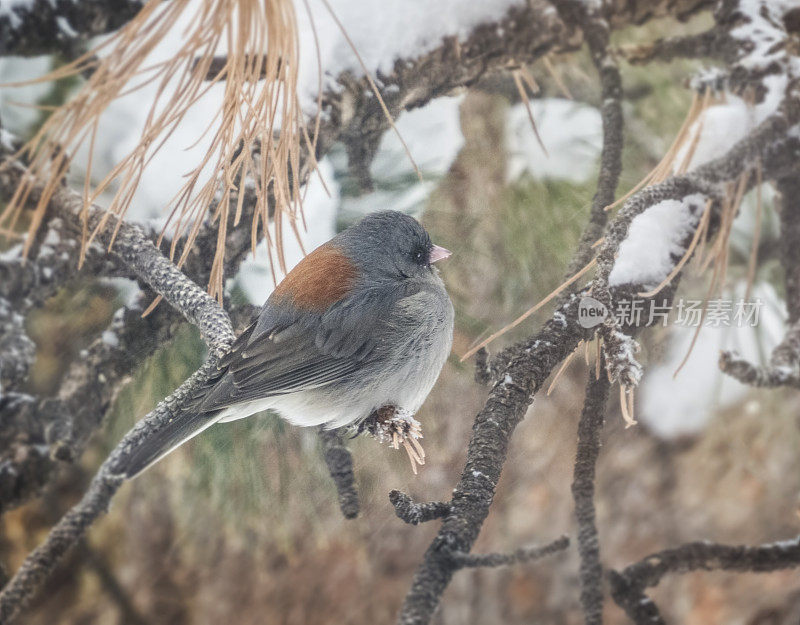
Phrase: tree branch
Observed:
(589, 430)
(597, 34)
(340, 466)
(137, 252)
(415, 513)
(783, 368)
(524, 554)
(628, 586)
(60, 26)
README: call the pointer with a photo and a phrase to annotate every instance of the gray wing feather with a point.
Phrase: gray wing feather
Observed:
(264, 368)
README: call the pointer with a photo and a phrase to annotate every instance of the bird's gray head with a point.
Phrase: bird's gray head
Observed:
(390, 244)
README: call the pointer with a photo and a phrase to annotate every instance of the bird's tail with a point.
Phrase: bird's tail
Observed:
(155, 445)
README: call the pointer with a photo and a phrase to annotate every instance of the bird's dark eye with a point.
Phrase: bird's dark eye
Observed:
(420, 256)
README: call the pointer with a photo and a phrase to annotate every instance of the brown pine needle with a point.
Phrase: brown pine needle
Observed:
(415, 443)
(626, 405)
(556, 77)
(255, 114)
(412, 452)
(698, 233)
(30, 105)
(526, 100)
(737, 202)
(665, 163)
(687, 159)
(561, 369)
(631, 397)
(152, 306)
(529, 79)
(719, 254)
(751, 265)
(711, 288)
(411, 457)
(530, 311)
(586, 351)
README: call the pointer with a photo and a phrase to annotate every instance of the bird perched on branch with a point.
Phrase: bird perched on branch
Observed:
(356, 333)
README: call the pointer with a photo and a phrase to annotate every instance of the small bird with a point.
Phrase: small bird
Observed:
(361, 325)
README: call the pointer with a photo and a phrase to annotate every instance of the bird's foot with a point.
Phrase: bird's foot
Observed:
(396, 426)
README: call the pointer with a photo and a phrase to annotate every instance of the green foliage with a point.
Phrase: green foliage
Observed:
(536, 257)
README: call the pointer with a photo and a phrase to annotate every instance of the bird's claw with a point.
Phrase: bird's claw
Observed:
(396, 426)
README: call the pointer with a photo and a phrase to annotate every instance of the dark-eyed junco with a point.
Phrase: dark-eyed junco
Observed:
(362, 323)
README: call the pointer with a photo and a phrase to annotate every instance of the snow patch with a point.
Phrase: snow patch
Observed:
(673, 407)
(655, 241)
(571, 132)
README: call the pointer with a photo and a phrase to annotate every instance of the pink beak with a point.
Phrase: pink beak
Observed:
(439, 253)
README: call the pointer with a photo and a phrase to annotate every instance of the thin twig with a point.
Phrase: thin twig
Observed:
(415, 513)
(521, 555)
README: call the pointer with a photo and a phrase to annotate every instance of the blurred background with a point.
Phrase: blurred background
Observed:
(241, 525)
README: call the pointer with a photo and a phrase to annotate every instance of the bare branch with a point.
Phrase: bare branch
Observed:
(134, 249)
(340, 465)
(519, 556)
(415, 513)
(628, 586)
(60, 27)
(597, 33)
(589, 428)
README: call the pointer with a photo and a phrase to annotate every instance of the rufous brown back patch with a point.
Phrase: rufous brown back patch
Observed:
(322, 278)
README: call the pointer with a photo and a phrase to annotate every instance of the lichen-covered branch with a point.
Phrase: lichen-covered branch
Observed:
(628, 585)
(60, 26)
(750, 62)
(40, 432)
(526, 366)
(139, 253)
(340, 466)
(590, 427)
(769, 142)
(73, 525)
(415, 513)
(519, 556)
(597, 32)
